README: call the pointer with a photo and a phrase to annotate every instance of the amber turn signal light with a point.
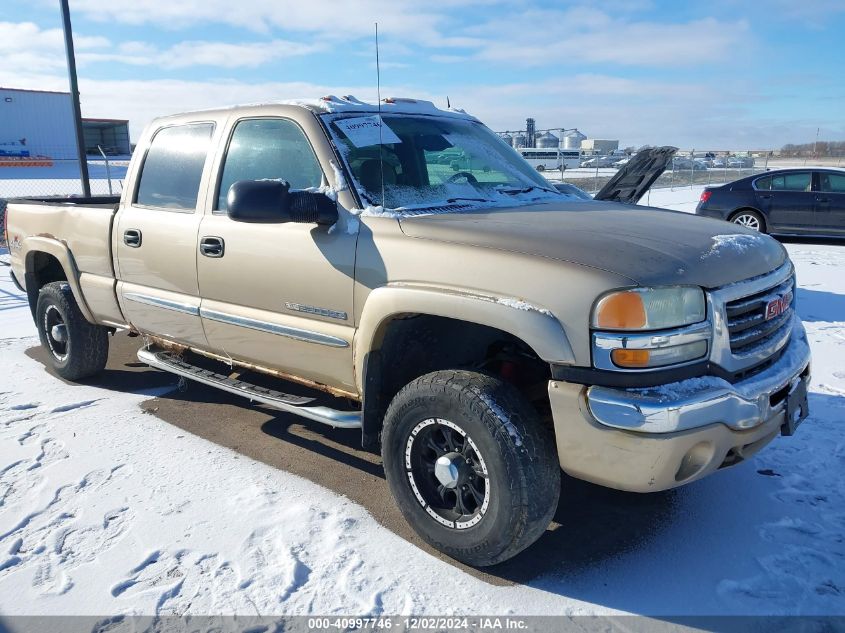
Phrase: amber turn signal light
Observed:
(630, 357)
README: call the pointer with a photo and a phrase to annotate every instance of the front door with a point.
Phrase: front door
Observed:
(790, 202)
(155, 236)
(277, 295)
(830, 202)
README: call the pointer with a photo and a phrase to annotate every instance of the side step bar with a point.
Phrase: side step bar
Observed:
(169, 362)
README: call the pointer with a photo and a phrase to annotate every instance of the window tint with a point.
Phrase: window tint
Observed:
(832, 183)
(792, 182)
(172, 170)
(763, 184)
(269, 148)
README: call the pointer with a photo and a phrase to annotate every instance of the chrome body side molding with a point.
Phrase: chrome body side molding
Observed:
(273, 328)
(158, 302)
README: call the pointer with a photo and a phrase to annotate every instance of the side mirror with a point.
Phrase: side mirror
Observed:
(272, 202)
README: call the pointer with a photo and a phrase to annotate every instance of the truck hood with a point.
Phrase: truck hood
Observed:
(648, 246)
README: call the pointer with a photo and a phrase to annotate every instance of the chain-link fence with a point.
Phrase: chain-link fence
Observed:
(686, 171)
(23, 176)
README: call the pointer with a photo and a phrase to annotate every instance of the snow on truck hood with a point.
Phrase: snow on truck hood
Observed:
(649, 246)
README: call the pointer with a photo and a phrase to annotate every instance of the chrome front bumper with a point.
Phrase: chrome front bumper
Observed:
(698, 402)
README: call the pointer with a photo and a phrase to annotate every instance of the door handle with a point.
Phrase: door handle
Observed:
(765, 196)
(212, 246)
(823, 200)
(132, 238)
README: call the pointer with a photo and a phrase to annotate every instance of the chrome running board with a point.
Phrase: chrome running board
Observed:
(170, 362)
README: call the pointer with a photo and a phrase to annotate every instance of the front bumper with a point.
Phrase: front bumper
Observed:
(658, 438)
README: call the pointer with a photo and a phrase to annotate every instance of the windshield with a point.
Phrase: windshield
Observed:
(426, 161)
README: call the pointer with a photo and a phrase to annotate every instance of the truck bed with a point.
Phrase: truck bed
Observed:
(76, 231)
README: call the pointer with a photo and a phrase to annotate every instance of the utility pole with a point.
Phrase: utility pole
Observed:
(74, 98)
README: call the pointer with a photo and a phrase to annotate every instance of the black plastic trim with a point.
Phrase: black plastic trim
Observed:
(622, 380)
(15, 281)
(656, 378)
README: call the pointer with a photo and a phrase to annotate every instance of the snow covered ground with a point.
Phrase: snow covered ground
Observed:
(106, 510)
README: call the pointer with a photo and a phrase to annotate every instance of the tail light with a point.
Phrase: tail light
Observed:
(705, 196)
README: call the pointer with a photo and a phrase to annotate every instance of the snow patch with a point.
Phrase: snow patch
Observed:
(340, 180)
(736, 243)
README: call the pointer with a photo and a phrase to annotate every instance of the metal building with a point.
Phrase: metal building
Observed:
(37, 125)
(599, 146)
(110, 134)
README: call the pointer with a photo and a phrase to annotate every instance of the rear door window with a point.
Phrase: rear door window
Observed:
(832, 183)
(263, 149)
(792, 182)
(172, 170)
(763, 184)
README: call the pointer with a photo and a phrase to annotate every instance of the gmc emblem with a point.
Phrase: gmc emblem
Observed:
(778, 306)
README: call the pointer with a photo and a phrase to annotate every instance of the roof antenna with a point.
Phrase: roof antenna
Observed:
(448, 105)
(380, 122)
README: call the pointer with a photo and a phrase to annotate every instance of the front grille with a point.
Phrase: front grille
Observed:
(749, 325)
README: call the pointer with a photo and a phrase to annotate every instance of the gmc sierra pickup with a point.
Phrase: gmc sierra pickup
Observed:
(482, 328)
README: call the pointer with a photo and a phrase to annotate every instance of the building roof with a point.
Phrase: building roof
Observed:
(50, 92)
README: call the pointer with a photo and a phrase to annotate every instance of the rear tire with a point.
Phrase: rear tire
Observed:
(472, 468)
(750, 219)
(75, 348)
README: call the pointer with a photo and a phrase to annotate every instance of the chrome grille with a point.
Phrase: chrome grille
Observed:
(749, 326)
(744, 340)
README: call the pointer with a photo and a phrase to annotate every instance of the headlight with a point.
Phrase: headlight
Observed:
(649, 308)
(624, 324)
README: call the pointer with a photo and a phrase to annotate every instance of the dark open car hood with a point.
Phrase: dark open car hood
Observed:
(632, 181)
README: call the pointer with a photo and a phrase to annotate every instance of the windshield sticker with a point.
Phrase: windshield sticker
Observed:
(365, 131)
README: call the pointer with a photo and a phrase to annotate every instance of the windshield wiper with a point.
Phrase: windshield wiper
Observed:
(513, 192)
(453, 200)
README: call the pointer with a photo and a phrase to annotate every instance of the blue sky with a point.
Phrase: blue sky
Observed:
(720, 74)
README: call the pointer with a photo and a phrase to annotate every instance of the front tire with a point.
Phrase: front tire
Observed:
(750, 219)
(75, 348)
(471, 466)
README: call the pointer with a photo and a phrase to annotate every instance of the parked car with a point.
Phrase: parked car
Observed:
(599, 161)
(480, 328)
(740, 162)
(786, 201)
(686, 164)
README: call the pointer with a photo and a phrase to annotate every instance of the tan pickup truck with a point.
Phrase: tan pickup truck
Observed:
(482, 328)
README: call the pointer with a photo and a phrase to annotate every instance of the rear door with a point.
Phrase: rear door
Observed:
(830, 202)
(155, 238)
(790, 203)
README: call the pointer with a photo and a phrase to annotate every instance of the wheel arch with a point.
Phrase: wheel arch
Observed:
(47, 260)
(466, 326)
